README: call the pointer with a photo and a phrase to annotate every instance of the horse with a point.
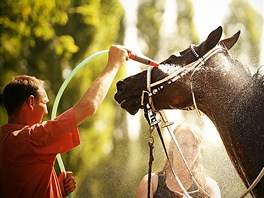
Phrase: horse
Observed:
(205, 77)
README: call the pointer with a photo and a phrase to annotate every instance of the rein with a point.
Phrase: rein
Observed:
(153, 123)
(149, 112)
(150, 115)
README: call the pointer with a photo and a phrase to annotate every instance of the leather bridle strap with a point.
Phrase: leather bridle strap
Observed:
(150, 115)
(153, 123)
(150, 119)
(167, 125)
(149, 88)
(160, 84)
(256, 181)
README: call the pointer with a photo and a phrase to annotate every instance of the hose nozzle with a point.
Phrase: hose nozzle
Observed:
(143, 60)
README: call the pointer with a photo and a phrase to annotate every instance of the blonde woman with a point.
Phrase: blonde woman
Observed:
(164, 184)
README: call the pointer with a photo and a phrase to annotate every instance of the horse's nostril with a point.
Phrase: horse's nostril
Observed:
(120, 85)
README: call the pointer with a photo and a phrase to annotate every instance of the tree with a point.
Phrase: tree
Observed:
(244, 17)
(49, 38)
(150, 15)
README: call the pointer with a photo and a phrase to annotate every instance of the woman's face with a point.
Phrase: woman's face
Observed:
(189, 146)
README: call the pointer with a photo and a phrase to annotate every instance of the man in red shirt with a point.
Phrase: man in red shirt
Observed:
(29, 146)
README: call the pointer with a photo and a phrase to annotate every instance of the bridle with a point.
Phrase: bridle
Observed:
(157, 86)
(154, 88)
(150, 112)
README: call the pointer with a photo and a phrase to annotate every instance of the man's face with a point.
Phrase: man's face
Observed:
(40, 106)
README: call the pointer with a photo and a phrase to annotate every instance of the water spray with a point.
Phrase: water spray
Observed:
(141, 59)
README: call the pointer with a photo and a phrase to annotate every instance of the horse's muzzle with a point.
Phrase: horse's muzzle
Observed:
(127, 100)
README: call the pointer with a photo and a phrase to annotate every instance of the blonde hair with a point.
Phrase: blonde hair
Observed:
(197, 168)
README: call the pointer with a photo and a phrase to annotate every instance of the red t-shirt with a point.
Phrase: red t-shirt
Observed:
(28, 153)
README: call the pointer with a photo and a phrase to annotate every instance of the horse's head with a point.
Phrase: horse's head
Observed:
(171, 84)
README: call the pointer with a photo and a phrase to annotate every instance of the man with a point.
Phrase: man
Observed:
(29, 146)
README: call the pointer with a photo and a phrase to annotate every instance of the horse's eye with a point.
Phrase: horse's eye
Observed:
(177, 54)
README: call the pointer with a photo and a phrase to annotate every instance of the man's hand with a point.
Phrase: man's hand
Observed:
(67, 184)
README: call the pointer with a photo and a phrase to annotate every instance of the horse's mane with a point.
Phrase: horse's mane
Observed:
(258, 77)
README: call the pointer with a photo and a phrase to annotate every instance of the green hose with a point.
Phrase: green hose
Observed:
(61, 90)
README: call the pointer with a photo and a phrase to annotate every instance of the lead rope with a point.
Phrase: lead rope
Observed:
(149, 108)
(151, 159)
(261, 174)
(172, 78)
(252, 186)
(153, 122)
(151, 118)
(167, 125)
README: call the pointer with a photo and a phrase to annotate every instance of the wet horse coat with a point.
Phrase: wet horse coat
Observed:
(224, 90)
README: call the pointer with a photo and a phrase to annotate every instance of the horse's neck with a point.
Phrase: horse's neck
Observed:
(239, 106)
(220, 105)
(238, 117)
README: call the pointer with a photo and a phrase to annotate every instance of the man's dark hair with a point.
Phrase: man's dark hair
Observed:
(18, 90)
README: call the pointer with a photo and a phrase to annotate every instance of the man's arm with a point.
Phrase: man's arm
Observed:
(96, 93)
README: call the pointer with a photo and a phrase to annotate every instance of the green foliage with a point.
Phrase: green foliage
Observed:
(48, 38)
(43, 38)
(243, 16)
(23, 21)
(65, 46)
(185, 25)
(150, 15)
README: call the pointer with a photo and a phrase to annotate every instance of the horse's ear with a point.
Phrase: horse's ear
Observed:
(212, 40)
(229, 42)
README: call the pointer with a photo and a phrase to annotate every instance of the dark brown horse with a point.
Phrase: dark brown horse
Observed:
(206, 76)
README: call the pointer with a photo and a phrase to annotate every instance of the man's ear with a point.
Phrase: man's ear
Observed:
(30, 101)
